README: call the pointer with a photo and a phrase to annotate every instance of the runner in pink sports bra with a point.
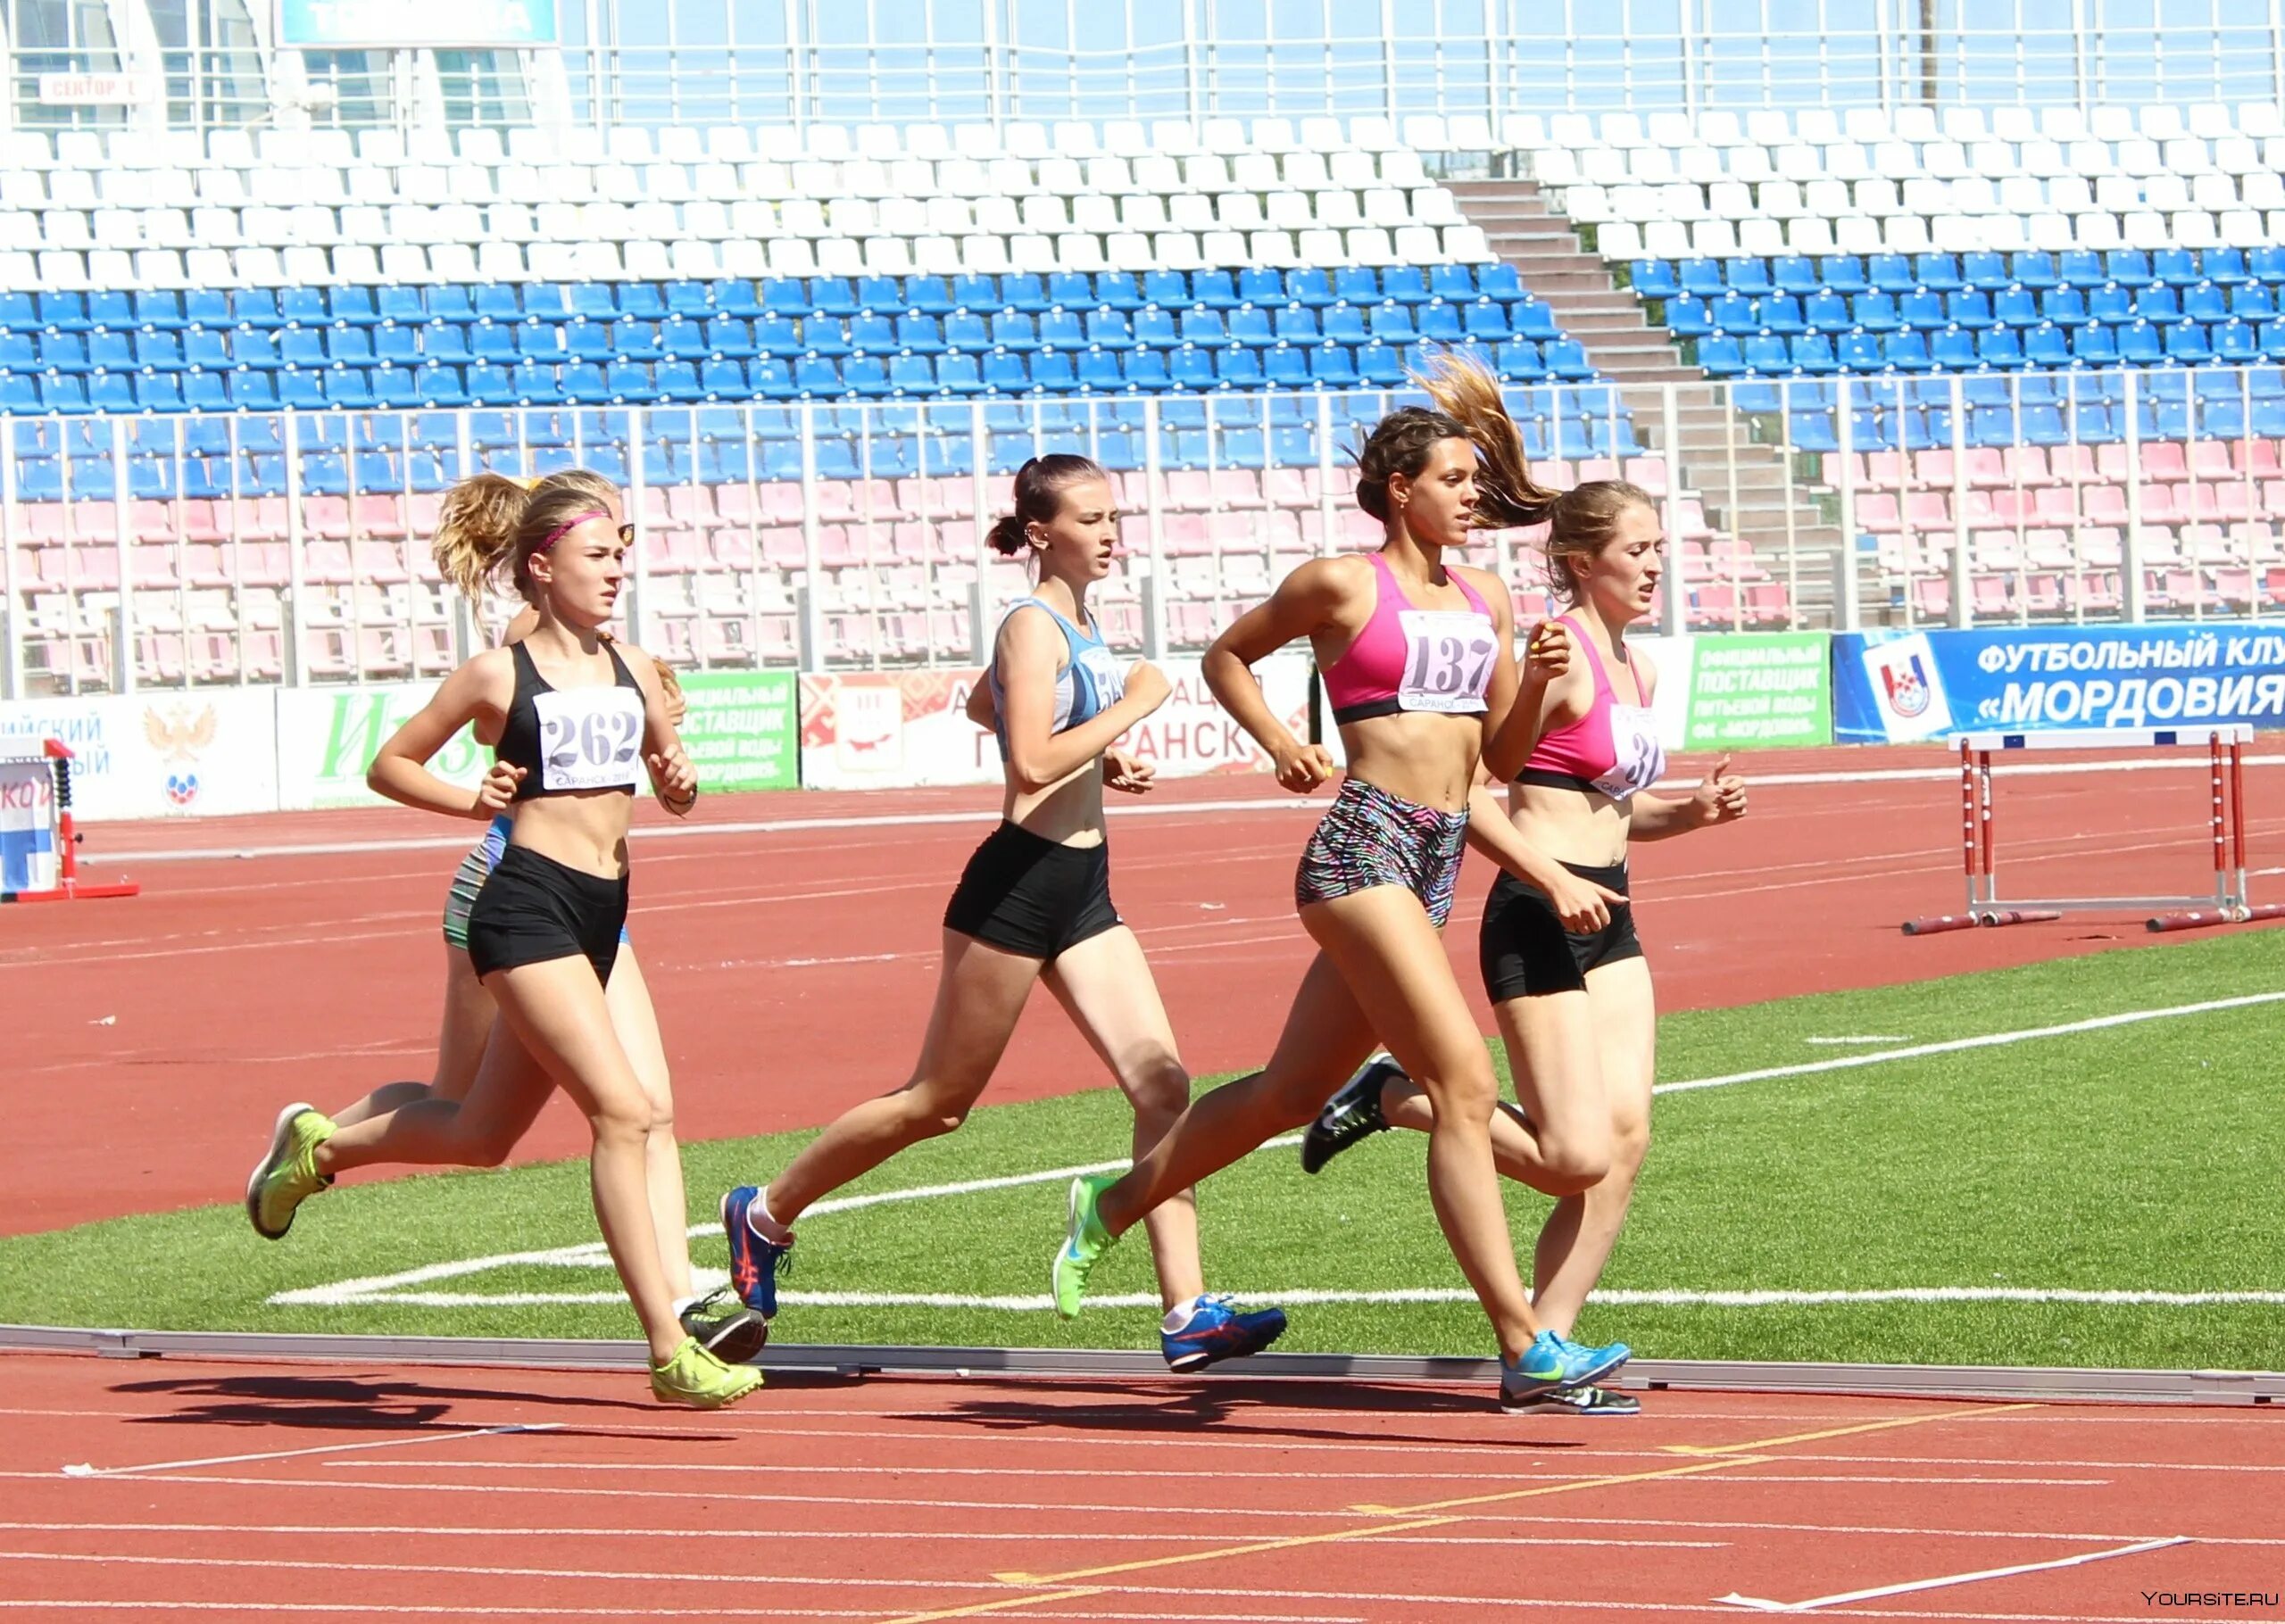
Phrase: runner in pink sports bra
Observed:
(1613, 749)
(1409, 659)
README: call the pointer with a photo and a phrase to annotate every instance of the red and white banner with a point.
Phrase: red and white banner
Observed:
(870, 729)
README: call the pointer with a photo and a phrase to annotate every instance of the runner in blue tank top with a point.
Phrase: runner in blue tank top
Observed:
(1034, 906)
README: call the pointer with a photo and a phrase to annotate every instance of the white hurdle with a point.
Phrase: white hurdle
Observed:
(2228, 903)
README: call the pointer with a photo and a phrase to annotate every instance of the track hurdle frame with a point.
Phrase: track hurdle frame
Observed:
(68, 887)
(2230, 902)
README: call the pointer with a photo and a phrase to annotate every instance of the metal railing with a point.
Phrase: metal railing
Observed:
(168, 552)
(686, 63)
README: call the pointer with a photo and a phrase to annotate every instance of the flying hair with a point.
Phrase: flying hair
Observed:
(1040, 484)
(490, 525)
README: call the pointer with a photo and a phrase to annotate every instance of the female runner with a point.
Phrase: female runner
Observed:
(1561, 964)
(473, 537)
(1035, 905)
(572, 721)
(1414, 653)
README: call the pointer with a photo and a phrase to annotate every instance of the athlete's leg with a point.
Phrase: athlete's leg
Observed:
(1105, 985)
(636, 1022)
(477, 1132)
(1579, 1234)
(461, 1036)
(980, 993)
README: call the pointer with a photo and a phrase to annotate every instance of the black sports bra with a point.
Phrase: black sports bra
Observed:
(569, 739)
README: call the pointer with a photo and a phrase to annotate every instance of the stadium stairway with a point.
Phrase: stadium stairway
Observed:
(1745, 487)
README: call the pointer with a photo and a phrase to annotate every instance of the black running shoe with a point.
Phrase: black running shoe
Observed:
(1590, 1401)
(726, 1327)
(1352, 1114)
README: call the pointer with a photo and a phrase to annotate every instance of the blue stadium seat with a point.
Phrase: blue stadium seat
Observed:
(1024, 291)
(1703, 279)
(2016, 307)
(1296, 324)
(1765, 353)
(727, 295)
(1356, 285)
(1923, 310)
(1734, 315)
(2252, 301)
(1970, 307)
(1248, 325)
(1070, 290)
(1332, 366)
(2175, 265)
(1438, 323)
(1907, 350)
(870, 336)
(19, 314)
(1310, 287)
(1500, 281)
(1795, 273)
(159, 392)
(1452, 284)
(2047, 346)
(1876, 311)
(1890, 273)
(1985, 270)
(442, 343)
(62, 312)
(2140, 343)
(2066, 307)
(155, 309)
(2205, 302)
(254, 391)
(2128, 267)
(1098, 372)
(2112, 304)
(1720, 356)
(1285, 367)
(2095, 345)
(2036, 270)
(2157, 303)
(1826, 312)
(1237, 368)
(1013, 330)
(1215, 290)
(1405, 284)
(834, 297)
(1999, 347)
(1812, 353)
(452, 303)
(1844, 273)
(1859, 352)
(2186, 343)
(1750, 276)
(1653, 279)
(1566, 358)
(1146, 371)
(1779, 313)
(786, 296)
(2235, 342)
(2267, 265)
(1689, 317)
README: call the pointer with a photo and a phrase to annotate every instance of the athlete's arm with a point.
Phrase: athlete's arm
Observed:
(979, 708)
(1029, 648)
(1582, 905)
(1309, 598)
(673, 780)
(1720, 798)
(1537, 688)
(400, 768)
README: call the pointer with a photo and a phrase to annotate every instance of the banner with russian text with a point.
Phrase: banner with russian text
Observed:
(1897, 686)
(870, 729)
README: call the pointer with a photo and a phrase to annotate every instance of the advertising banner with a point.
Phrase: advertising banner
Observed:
(1755, 690)
(1895, 686)
(327, 737)
(742, 729)
(868, 729)
(1722, 691)
(416, 25)
(206, 753)
(27, 824)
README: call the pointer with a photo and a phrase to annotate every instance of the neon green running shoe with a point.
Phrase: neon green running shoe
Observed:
(1086, 1242)
(288, 1174)
(696, 1378)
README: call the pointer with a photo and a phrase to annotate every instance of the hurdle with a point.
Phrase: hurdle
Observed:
(36, 811)
(2228, 903)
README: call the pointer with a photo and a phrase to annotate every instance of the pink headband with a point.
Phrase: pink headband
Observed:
(570, 524)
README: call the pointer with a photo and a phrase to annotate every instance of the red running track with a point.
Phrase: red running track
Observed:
(153, 1038)
(245, 1492)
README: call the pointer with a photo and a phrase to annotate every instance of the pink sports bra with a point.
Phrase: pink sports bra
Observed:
(1409, 659)
(1614, 749)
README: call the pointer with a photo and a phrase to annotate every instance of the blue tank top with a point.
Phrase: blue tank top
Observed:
(1089, 684)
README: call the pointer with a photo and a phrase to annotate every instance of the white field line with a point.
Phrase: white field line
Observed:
(1760, 1605)
(398, 1287)
(85, 1470)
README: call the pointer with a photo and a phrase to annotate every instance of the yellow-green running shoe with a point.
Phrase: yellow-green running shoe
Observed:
(1085, 1241)
(287, 1176)
(696, 1378)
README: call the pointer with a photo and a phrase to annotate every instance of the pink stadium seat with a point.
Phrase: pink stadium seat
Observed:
(1767, 605)
(2210, 459)
(2043, 595)
(2074, 463)
(327, 564)
(1648, 472)
(382, 516)
(1987, 467)
(2102, 504)
(1989, 595)
(326, 518)
(781, 503)
(2257, 457)
(2026, 465)
(2161, 505)
(1928, 510)
(154, 564)
(378, 562)
(1236, 488)
(733, 550)
(1932, 596)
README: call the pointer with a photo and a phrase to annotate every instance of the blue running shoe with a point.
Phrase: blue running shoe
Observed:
(1551, 1365)
(1218, 1331)
(754, 1263)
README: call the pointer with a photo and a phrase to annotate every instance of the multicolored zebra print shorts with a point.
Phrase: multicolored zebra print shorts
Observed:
(1369, 836)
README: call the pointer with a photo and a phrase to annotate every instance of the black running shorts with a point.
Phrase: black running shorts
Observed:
(533, 908)
(1026, 894)
(1524, 950)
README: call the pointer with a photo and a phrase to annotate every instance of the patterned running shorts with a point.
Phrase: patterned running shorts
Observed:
(1369, 836)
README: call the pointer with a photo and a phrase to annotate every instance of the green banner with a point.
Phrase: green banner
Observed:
(1752, 690)
(743, 729)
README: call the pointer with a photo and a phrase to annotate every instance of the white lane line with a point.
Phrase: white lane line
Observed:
(1561, 1475)
(646, 1576)
(563, 1531)
(85, 1470)
(1761, 1604)
(1996, 1040)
